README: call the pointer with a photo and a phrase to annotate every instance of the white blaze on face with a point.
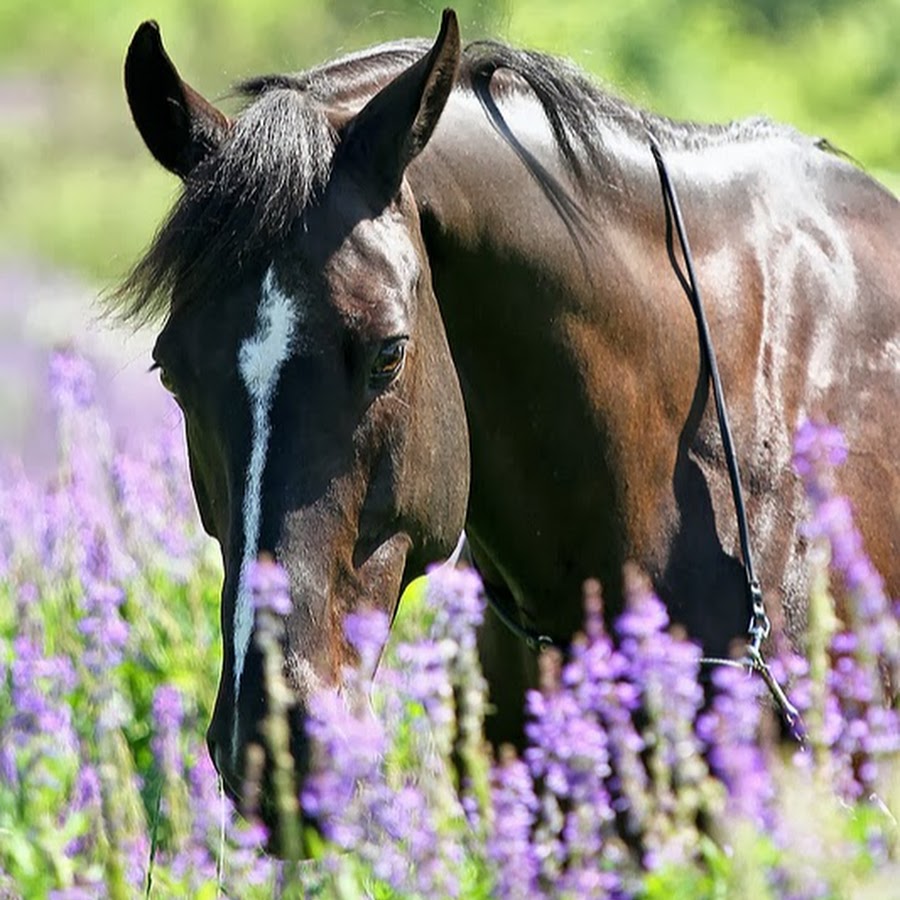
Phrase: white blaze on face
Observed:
(260, 359)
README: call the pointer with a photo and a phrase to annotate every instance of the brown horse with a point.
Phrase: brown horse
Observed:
(424, 287)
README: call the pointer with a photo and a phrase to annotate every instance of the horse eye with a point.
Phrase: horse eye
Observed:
(388, 363)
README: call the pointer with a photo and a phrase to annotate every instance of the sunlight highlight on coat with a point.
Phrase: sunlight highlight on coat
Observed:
(260, 359)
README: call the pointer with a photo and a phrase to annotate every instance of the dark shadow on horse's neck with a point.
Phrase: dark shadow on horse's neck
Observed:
(698, 564)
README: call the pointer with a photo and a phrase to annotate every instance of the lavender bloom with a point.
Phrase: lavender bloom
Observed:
(168, 713)
(426, 680)
(569, 756)
(730, 730)
(818, 450)
(860, 725)
(348, 752)
(349, 747)
(20, 525)
(157, 534)
(367, 633)
(104, 629)
(197, 859)
(597, 674)
(509, 844)
(860, 728)
(86, 799)
(39, 687)
(665, 669)
(72, 381)
(270, 586)
(362, 799)
(456, 597)
(207, 800)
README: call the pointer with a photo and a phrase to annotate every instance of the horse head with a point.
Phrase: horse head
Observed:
(302, 338)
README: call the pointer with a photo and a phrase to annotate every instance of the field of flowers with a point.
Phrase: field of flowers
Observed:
(631, 786)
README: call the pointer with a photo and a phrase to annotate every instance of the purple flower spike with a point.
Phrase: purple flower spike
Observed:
(104, 629)
(818, 450)
(168, 712)
(509, 845)
(456, 596)
(270, 586)
(367, 632)
(39, 685)
(71, 381)
(860, 725)
(730, 730)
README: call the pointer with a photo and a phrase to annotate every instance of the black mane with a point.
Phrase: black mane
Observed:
(245, 198)
(580, 112)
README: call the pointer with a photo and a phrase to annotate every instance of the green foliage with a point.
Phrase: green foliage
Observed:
(78, 189)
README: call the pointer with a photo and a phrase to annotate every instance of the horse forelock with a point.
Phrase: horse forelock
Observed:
(238, 206)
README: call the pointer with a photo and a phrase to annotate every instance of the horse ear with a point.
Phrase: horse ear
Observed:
(178, 126)
(395, 125)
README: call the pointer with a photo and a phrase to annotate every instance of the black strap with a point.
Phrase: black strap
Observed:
(760, 626)
(535, 641)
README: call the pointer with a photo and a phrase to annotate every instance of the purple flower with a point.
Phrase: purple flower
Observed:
(426, 679)
(86, 798)
(39, 687)
(568, 754)
(457, 599)
(367, 632)
(730, 730)
(352, 742)
(72, 381)
(104, 629)
(207, 799)
(269, 586)
(665, 668)
(509, 844)
(860, 724)
(362, 802)
(168, 713)
(818, 450)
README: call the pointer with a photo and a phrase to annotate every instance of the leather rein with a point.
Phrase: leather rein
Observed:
(760, 626)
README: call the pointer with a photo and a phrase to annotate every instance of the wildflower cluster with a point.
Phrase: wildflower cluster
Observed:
(635, 781)
(105, 785)
(388, 797)
(860, 725)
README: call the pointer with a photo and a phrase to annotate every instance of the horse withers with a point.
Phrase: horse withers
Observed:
(421, 288)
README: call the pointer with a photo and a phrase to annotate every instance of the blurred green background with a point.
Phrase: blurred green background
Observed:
(79, 196)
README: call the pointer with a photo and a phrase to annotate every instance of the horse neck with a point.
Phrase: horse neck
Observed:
(556, 335)
(526, 267)
(477, 196)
